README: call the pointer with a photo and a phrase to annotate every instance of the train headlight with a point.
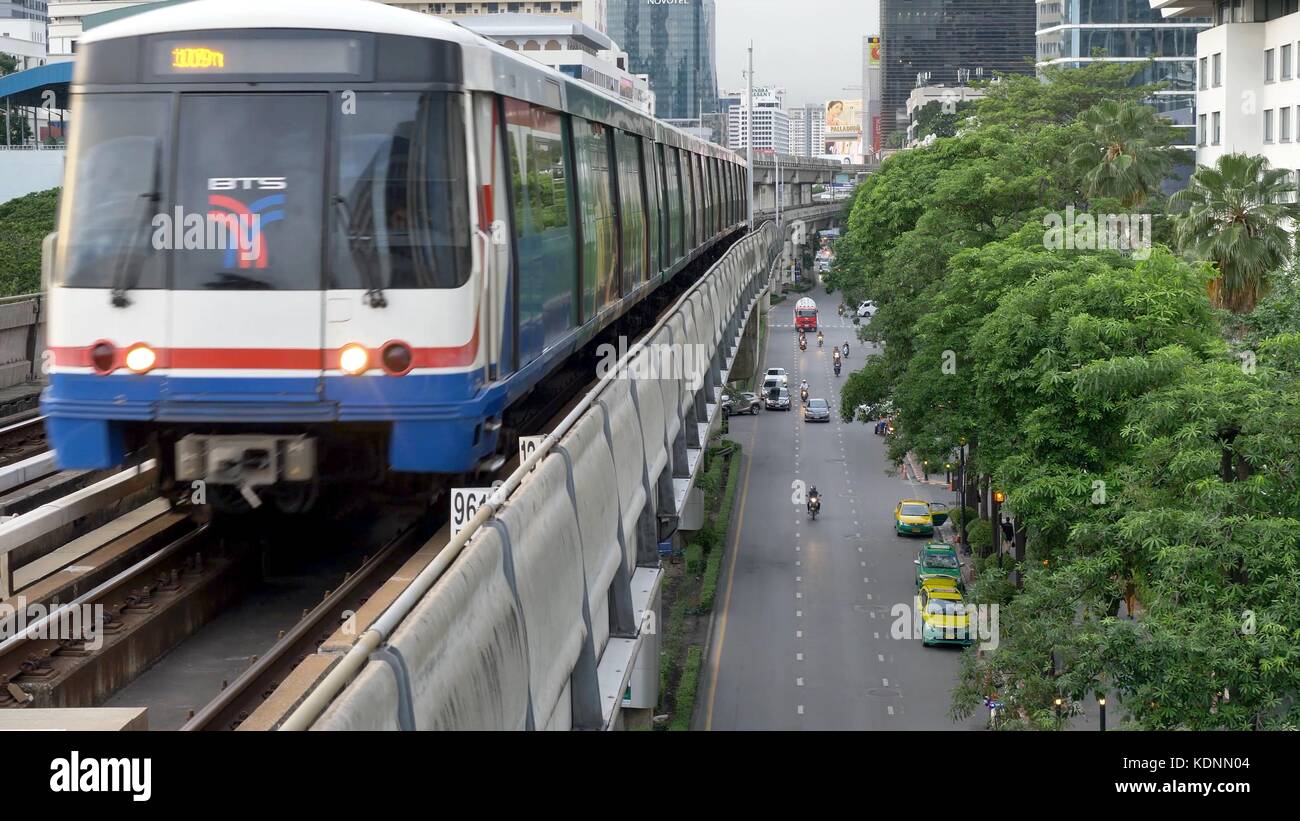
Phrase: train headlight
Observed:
(397, 358)
(102, 356)
(141, 358)
(354, 359)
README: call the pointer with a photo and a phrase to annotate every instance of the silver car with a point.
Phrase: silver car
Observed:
(817, 410)
(738, 403)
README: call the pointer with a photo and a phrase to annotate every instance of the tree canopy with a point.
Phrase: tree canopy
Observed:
(1146, 441)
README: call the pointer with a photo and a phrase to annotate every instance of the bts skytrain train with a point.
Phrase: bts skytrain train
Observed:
(310, 239)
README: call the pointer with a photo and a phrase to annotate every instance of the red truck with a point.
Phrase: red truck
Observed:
(805, 315)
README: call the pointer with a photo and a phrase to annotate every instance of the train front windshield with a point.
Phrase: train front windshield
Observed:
(251, 191)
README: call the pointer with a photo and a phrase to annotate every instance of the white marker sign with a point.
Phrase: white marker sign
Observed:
(528, 445)
(465, 502)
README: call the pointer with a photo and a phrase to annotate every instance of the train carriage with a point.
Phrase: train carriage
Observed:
(325, 239)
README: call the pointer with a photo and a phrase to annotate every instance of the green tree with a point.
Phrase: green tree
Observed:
(1127, 153)
(1236, 214)
(24, 222)
(934, 119)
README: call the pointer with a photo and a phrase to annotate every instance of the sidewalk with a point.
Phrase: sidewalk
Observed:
(947, 532)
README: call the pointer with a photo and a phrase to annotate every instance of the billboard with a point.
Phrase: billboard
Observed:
(843, 119)
(873, 50)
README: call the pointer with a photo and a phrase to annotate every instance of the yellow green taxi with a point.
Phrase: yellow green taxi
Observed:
(913, 517)
(938, 560)
(944, 616)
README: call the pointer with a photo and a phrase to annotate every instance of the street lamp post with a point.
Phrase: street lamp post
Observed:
(961, 494)
(998, 498)
(749, 130)
(776, 157)
(1101, 706)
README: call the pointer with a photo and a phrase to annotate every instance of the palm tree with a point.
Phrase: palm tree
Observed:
(1127, 153)
(1239, 214)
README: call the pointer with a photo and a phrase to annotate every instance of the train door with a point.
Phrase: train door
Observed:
(246, 307)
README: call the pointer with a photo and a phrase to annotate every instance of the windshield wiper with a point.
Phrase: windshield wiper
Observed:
(124, 276)
(365, 255)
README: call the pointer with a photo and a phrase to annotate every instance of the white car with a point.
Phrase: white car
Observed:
(867, 309)
(775, 373)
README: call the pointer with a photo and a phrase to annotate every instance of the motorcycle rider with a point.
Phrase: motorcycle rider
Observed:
(846, 349)
(814, 499)
(837, 366)
(819, 339)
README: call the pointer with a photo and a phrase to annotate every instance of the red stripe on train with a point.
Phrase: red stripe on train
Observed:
(287, 359)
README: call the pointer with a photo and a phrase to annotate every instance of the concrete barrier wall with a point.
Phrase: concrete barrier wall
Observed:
(22, 339)
(474, 676)
(546, 549)
(625, 435)
(26, 172)
(511, 635)
(595, 491)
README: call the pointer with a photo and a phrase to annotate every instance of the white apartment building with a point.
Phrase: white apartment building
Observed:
(65, 21)
(594, 13)
(807, 130)
(23, 32)
(66, 15)
(771, 121)
(1247, 78)
(571, 47)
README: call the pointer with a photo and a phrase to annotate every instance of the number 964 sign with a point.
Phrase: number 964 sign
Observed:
(465, 502)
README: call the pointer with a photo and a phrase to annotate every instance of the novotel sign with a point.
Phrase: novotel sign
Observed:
(669, 2)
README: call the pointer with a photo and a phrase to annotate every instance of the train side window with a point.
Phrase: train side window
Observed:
(707, 185)
(118, 156)
(680, 202)
(702, 197)
(650, 170)
(672, 205)
(543, 225)
(596, 205)
(691, 193)
(400, 215)
(631, 210)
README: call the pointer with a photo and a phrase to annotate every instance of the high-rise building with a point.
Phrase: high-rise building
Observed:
(808, 130)
(675, 44)
(1072, 33)
(872, 138)
(771, 123)
(933, 39)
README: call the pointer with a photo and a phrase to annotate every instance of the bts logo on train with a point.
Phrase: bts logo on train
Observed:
(246, 183)
(246, 219)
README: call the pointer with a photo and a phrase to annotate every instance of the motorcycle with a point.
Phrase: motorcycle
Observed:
(837, 367)
(803, 394)
(803, 344)
(814, 506)
(846, 350)
(819, 340)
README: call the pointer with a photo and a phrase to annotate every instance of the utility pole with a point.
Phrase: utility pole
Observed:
(776, 157)
(749, 131)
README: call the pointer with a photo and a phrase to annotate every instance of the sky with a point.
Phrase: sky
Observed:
(811, 47)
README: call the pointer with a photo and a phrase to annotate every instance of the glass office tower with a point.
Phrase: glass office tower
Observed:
(1072, 32)
(934, 39)
(675, 43)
